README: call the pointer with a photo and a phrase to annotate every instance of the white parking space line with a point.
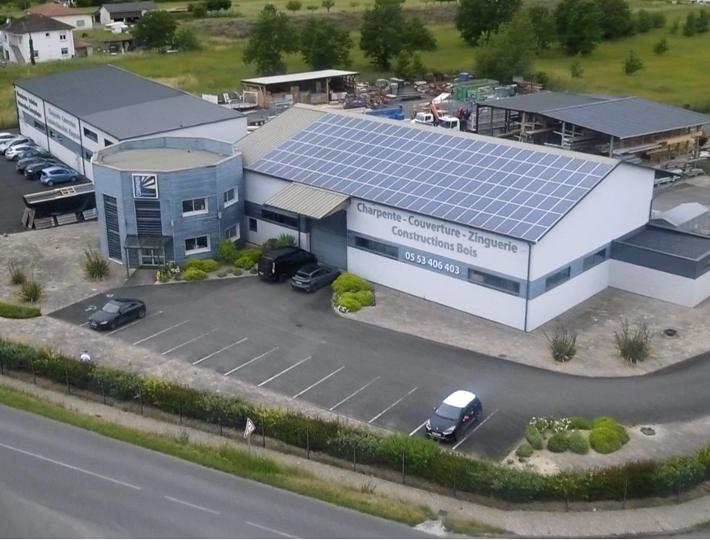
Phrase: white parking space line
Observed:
(77, 469)
(284, 371)
(134, 322)
(219, 351)
(316, 384)
(269, 530)
(190, 341)
(161, 332)
(420, 427)
(84, 324)
(474, 430)
(394, 404)
(192, 505)
(250, 361)
(356, 392)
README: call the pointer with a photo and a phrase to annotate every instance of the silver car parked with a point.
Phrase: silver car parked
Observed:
(314, 276)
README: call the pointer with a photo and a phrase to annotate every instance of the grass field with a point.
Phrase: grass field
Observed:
(679, 77)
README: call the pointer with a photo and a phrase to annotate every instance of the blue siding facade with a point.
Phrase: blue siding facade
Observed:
(208, 182)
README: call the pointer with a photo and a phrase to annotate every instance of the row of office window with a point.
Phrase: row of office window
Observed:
(562, 276)
(93, 136)
(202, 244)
(193, 207)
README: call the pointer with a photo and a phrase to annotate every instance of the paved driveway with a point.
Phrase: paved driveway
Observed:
(292, 343)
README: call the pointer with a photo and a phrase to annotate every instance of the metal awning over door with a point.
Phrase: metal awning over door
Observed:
(308, 201)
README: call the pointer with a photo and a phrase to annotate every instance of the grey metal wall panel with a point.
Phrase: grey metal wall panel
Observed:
(112, 228)
(329, 239)
(654, 260)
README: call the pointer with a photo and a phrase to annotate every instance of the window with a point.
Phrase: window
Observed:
(36, 53)
(88, 154)
(91, 135)
(593, 260)
(39, 125)
(197, 245)
(494, 282)
(281, 219)
(233, 233)
(557, 279)
(377, 247)
(192, 207)
(252, 224)
(46, 34)
(56, 136)
(230, 197)
(62, 37)
(80, 23)
(65, 51)
(107, 142)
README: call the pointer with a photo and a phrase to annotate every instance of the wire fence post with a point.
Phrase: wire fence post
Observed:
(455, 473)
(140, 396)
(34, 373)
(626, 488)
(180, 411)
(403, 477)
(103, 389)
(263, 436)
(66, 373)
(308, 446)
(221, 433)
(354, 458)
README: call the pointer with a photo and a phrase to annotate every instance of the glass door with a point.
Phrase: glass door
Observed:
(152, 257)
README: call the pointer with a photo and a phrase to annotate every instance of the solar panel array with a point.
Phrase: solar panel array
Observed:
(506, 189)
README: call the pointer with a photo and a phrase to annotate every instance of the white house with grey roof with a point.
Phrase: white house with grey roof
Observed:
(36, 35)
(75, 114)
(511, 232)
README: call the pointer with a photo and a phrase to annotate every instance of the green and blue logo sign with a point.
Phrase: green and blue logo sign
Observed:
(145, 186)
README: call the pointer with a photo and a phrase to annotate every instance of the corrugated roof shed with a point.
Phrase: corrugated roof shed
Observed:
(307, 201)
(296, 77)
(123, 104)
(124, 7)
(542, 101)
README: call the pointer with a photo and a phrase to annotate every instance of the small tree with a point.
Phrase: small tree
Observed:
(198, 10)
(475, 18)
(543, 23)
(419, 70)
(643, 21)
(186, 39)
(658, 20)
(576, 70)
(507, 53)
(294, 5)
(617, 20)
(690, 25)
(579, 26)
(312, 8)
(678, 474)
(702, 23)
(324, 45)
(633, 346)
(632, 63)
(155, 29)
(217, 5)
(403, 66)
(673, 30)
(272, 35)
(328, 5)
(661, 47)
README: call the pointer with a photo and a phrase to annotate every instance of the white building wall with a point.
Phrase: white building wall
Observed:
(33, 106)
(620, 204)
(258, 189)
(104, 16)
(78, 21)
(563, 297)
(453, 241)
(49, 45)
(64, 136)
(467, 297)
(228, 131)
(93, 146)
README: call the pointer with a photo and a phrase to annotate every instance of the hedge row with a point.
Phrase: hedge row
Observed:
(12, 311)
(422, 458)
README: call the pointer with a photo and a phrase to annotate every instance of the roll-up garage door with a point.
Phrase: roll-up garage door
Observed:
(329, 239)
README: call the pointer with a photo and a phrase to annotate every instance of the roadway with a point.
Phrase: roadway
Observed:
(292, 343)
(57, 481)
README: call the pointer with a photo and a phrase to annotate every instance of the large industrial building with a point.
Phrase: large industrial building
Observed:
(75, 114)
(511, 232)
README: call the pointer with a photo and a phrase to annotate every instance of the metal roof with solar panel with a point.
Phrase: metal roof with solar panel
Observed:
(493, 185)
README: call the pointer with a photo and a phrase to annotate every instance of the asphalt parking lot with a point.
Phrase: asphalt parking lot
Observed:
(292, 343)
(12, 188)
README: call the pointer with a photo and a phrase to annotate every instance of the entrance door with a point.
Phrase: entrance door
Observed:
(329, 240)
(151, 257)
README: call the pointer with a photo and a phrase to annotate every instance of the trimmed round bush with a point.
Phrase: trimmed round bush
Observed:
(348, 282)
(577, 422)
(193, 274)
(524, 450)
(365, 298)
(558, 443)
(243, 262)
(221, 274)
(238, 272)
(534, 437)
(604, 440)
(207, 265)
(226, 251)
(253, 270)
(348, 302)
(578, 443)
(252, 254)
(609, 423)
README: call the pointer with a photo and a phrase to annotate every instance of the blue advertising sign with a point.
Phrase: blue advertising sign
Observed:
(145, 186)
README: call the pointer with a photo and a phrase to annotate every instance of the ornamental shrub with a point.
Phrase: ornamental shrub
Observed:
(243, 262)
(252, 254)
(577, 422)
(96, 267)
(270, 245)
(226, 252)
(348, 303)
(605, 440)
(31, 290)
(193, 274)
(558, 443)
(525, 450)
(534, 437)
(206, 265)
(17, 273)
(678, 473)
(348, 282)
(365, 298)
(577, 443)
(609, 423)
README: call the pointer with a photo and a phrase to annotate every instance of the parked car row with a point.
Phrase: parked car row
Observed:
(34, 162)
(306, 273)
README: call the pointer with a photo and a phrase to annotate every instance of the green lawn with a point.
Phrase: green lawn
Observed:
(679, 77)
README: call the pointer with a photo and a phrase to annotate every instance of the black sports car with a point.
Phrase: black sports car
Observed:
(116, 312)
(33, 171)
